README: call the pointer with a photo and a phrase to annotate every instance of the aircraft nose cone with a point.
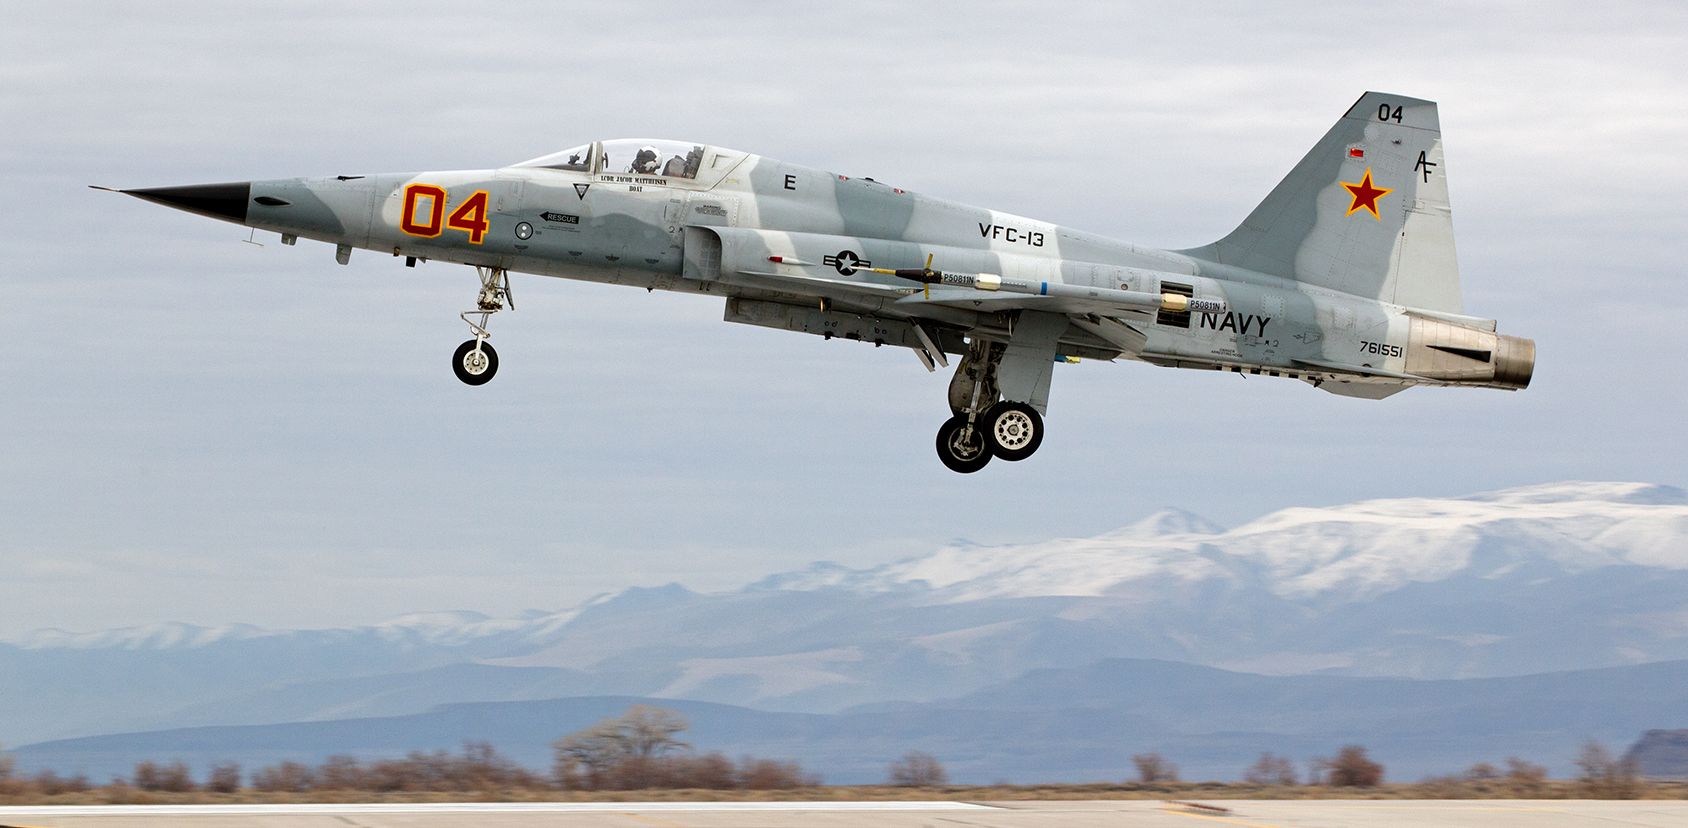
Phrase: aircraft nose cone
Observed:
(219, 201)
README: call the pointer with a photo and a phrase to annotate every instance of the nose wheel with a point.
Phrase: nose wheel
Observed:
(475, 362)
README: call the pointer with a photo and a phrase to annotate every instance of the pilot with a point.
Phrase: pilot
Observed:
(645, 163)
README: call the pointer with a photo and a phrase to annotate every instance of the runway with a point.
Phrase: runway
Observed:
(1018, 814)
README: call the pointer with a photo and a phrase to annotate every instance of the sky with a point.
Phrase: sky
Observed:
(204, 430)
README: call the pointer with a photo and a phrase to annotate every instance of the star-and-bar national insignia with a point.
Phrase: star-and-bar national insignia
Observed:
(1365, 195)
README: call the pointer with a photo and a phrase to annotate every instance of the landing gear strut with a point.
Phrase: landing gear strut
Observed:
(475, 361)
(984, 425)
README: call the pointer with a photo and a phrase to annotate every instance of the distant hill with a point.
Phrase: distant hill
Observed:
(1060, 724)
(1661, 754)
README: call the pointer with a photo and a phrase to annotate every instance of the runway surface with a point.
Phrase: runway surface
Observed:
(1022, 814)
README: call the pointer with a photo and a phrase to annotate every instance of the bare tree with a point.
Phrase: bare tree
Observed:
(1604, 777)
(290, 777)
(341, 772)
(49, 783)
(1352, 769)
(1271, 769)
(650, 731)
(224, 778)
(584, 758)
(172, 778)
(1525, 778)
(1153, 767)
(618, 752)
(9, 785)
(1481, 772)
(917, 769)
(774, 775)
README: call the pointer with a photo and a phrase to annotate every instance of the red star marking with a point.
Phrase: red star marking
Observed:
(1365, 195)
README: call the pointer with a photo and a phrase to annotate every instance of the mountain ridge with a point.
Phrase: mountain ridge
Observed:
(1518, 581)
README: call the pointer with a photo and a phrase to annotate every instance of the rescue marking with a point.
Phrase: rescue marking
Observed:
(560, 218)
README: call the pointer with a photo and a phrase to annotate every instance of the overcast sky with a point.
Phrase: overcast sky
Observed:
(204, 430)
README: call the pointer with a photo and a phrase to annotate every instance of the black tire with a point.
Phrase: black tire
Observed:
(964, 456)
(1014, 430)
(465, 365)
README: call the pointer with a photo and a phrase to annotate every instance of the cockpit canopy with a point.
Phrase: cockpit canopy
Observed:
(640, 156)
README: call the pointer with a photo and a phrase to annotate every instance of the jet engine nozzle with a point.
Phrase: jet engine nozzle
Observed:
(1515, 361)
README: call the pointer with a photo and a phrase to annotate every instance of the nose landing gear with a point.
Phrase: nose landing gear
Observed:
(475, 362)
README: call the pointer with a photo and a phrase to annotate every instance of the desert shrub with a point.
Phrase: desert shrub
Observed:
(1271, 769)
(224, 778)
(1153, 768)
(288, 777)
(1601, 776)
(773, 775)
(917, 769)
(1352, 769)
(172, 778)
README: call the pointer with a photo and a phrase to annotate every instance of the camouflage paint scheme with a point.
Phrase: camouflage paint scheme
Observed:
(1344, 277)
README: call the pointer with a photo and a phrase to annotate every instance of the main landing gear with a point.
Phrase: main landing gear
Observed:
(985, 426)
(475, 361)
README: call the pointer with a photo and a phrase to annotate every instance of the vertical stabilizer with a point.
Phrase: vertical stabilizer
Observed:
(1365, 212)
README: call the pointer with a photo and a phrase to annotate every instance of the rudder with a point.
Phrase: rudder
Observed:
(1365, 212)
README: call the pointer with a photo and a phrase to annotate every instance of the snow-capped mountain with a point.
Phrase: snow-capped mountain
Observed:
(1536, 579)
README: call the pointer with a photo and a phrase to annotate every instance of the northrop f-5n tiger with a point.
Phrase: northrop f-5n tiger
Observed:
(1344, 277)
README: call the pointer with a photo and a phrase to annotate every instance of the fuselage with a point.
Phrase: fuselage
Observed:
(755, 228)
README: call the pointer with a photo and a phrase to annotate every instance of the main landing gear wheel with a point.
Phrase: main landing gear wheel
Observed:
(475, 362)
(1014, 429)
(962, 447)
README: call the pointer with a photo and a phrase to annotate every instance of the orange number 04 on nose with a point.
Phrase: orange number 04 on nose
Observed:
(470, 216)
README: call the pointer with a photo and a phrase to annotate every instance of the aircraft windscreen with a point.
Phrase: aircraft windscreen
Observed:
(578, 159)
(670, 159)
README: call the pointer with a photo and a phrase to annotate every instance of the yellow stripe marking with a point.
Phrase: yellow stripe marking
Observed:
(1231, 820)
(650, 820)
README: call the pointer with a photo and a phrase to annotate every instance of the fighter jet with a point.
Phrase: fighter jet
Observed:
(1344, 277)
